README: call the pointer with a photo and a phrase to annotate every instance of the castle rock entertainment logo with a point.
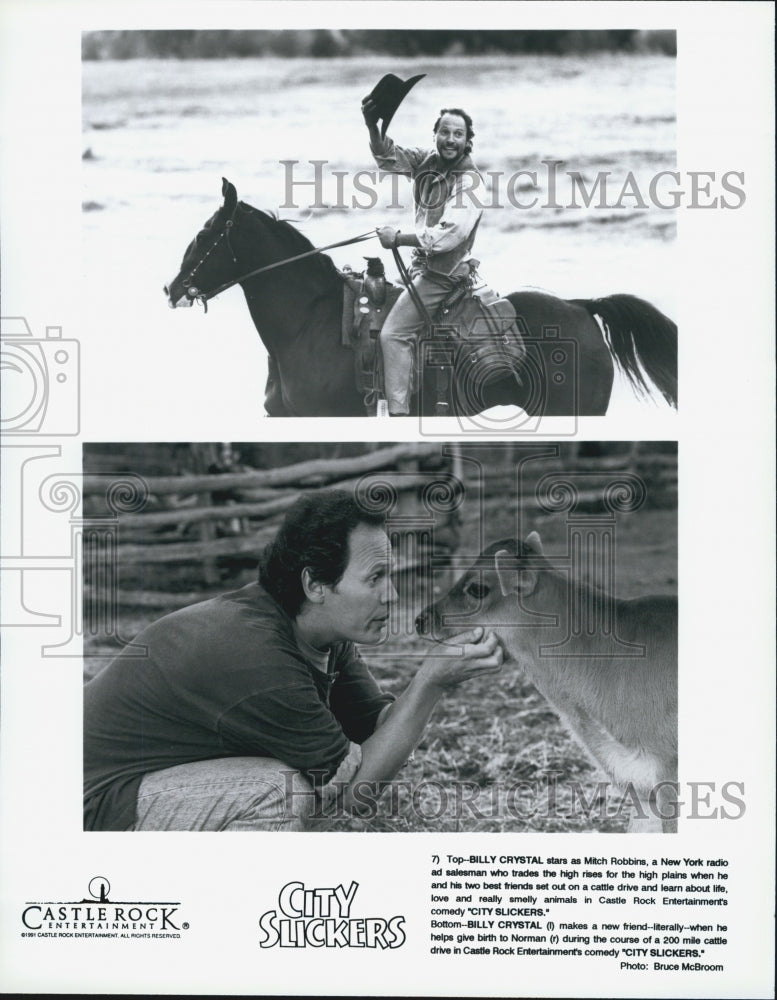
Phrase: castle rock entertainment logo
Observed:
(321, 918)
(101, 917)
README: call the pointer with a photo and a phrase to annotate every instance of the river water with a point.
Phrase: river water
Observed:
(159, 134)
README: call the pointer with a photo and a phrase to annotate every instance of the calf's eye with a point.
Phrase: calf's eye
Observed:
(476, 590)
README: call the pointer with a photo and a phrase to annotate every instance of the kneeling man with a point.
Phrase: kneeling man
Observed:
(248, 706)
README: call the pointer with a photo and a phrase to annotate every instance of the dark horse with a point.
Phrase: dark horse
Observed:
(297, 310)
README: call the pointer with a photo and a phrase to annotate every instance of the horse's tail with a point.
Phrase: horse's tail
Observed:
(641, 339)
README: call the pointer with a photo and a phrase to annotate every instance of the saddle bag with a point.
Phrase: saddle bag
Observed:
(481, 326)
(486, 328)
(367, 301)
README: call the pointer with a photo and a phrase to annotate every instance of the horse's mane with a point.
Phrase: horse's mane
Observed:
(320, 264)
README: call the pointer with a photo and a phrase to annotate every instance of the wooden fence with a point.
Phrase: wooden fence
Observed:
(199, 533)
(192, 532)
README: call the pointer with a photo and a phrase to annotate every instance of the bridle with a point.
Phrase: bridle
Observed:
(193, 292)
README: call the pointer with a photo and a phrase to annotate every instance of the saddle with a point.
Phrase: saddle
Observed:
(476, 324)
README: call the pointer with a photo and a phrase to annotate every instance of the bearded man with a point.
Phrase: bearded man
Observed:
(446, 220)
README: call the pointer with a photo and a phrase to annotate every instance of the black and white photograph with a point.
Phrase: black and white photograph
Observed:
(299, 698)
(512, 253)
(517, 605)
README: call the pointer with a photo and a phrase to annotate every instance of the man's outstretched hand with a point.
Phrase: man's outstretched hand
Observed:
(464, 657)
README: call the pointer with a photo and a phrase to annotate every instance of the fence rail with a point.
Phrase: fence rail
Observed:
(212, 527)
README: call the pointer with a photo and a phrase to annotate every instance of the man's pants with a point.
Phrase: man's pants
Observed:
(399, 337)
(231, 793)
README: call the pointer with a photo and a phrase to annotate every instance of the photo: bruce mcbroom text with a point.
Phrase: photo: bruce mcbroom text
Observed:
(519, 905)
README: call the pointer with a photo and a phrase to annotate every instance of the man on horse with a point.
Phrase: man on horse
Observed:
(446, 220)
(251, 708)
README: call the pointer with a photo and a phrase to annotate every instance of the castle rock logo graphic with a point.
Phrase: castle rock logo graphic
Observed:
(99, 916)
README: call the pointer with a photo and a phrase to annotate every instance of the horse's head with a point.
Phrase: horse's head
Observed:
(238, 243)
(209, 261)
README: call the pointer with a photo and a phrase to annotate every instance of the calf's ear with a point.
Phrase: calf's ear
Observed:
(513, 579)
(534, 541)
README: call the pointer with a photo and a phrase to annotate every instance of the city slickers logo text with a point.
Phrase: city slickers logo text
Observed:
(321, 918)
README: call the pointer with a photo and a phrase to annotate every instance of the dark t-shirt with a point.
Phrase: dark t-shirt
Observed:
(224, 678)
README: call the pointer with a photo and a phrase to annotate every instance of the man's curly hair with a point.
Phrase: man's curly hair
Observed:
(467, 121)
(314, 534)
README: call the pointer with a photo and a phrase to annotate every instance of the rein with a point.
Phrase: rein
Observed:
(411, 290)
(204, 296)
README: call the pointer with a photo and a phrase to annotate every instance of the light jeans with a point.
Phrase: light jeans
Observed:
(230, 793)
(399, 338)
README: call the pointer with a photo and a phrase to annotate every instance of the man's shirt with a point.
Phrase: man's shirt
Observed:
(445, 226)
(223, 678)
